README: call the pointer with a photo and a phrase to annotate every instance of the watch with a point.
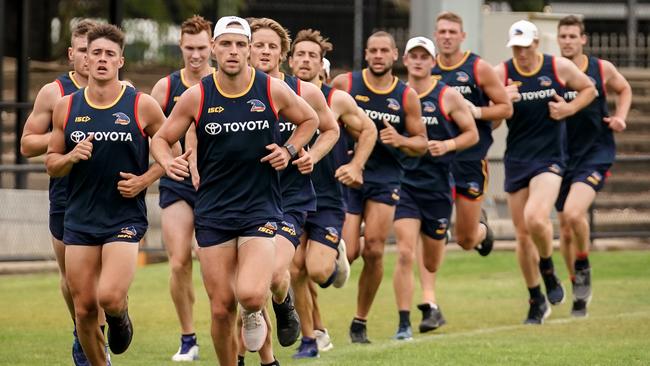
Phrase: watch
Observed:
(291, 149)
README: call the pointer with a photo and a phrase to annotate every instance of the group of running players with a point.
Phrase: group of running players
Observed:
(271, 172)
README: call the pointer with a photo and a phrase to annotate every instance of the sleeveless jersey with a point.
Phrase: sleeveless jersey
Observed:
(464, 78)
(428, 172)
(384, 166)
(119, 145)
(57, 190)
(329, 191)
(297, 189)
(532, 134)
(175, 87)
(590, 140)
(233, 131)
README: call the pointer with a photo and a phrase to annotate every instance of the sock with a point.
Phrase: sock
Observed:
(240, 360)
(404, 317)
(274, 363)
(358, 325)
(189, 338)
(308, 340)
(103, 328)
(331, 278)
(535, 293)
(546, 265)
(582, 261)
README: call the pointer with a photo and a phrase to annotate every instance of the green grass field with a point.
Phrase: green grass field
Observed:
(483, 300)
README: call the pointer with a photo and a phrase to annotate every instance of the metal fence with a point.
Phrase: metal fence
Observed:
(614, 47)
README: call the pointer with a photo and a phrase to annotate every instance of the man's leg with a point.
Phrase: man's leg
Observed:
(83, 265)
(430, 253)
(351, 235)
(218, 268)
(177, 222)
(471, 227)
(469, 231)
(542, 194)
(304, 306)
(378, 218)
(406, 232)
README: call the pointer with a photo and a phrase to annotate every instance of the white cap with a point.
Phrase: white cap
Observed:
(423, 42)
(222, 27)
(522, 33)
(326, 67)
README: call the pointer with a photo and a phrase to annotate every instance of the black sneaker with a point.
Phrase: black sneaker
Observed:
(120, 332)
(358, 332)
(579, 308)
(485, 247)
(432, 318)
(288, 321)
(582, 285)
(539, 310)
(554, 288)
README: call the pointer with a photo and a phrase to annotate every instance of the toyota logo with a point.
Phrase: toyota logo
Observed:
(77, 136)
(213, 128)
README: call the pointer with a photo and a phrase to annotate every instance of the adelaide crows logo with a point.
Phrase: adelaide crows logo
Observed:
(462, 76)
(256, 105)
(428, 107)
(393, 104)
(121, 119)
(545, 81)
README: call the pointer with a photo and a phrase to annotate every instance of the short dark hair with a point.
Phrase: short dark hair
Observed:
(196, 25)
(315, 36)
(571, 20)
(108, 31)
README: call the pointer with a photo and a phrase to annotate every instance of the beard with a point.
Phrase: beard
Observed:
(380, 73)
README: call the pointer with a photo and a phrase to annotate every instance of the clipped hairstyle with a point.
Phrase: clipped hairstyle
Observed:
(262, 23)
(195, 25)
(383, 34)
(570, 20)
(108, 31)
(315, 36)
(451, 17)
(82, 28)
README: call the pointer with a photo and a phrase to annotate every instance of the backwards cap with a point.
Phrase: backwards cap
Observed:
(222, 27)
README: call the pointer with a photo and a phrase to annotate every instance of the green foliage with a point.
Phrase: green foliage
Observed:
(483, 300)
(527, 5)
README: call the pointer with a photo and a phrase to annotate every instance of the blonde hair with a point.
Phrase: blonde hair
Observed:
(315, 36)
(267, 23)
(449, 16)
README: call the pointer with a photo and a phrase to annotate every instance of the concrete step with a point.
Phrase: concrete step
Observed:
(622, 220)
(622, 201)
(633, 142)
(631, 163)
(638, 124)
(627, 182)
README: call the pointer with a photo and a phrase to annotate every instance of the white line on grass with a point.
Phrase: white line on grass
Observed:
(383, 345)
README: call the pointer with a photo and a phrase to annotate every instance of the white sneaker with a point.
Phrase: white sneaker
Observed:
(190, 354)
(253, 330)
(343, 266)
(323, 340)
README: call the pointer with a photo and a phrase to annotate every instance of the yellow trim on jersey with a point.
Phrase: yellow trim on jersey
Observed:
(377, 91)
(74, 81)
(248, 88)
(586, 64)
(104, 106)
(424, 94)
(528, 74)
(453, 67)
(185, 82)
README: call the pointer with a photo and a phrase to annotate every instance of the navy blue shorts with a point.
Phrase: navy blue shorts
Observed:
(292, 226)
(519, 174)
(388, 194)
(56, 225)
(210, 235)
(173, 192)
(325, 226)
(433, 209)
(471, 178)
(128, 234)
(591, 175)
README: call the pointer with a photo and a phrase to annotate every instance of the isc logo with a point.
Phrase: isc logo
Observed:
(217, 109)
(82, 119)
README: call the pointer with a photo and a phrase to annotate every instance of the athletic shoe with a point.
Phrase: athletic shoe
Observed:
(120, 332)
(358, 332)
(554, 289)
(539, 310)
(342, 265)
(240, 361)
(78, 355)
(404, 333)
(432, 318)
(288, 322)
(323, 340)
(188, 351)
(308, 349)
(579, 308)
(108, 355)
(485, 247)
(253, 329)
(582, 285)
